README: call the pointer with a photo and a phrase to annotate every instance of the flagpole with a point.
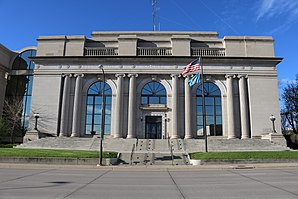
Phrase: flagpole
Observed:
(203, 103)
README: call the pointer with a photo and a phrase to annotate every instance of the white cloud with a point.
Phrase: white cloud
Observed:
(273, 8)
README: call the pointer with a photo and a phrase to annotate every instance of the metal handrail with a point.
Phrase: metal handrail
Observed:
(131, 155)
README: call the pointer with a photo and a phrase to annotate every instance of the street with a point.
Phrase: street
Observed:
(75, 182)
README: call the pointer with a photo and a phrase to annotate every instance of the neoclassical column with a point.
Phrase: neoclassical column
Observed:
(187, 94)
(77, 107)
(118, 107)
(65, 106)
(243, 106)
(131, 133)
(174, 106)
(230, 107)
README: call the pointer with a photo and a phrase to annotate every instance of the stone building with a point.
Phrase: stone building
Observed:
(145, 95)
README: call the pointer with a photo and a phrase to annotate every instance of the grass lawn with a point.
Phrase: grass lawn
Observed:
(245, 155)
(15, 152)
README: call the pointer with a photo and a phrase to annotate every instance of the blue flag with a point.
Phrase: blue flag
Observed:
(194, 80)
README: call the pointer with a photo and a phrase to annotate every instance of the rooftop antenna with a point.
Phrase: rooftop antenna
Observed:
(154, 14)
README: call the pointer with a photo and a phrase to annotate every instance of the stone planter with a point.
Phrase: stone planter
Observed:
(195, 162)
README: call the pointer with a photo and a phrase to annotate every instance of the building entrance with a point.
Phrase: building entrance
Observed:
(153, 127)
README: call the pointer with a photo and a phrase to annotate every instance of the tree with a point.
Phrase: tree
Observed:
(290, 111)
(12, 115)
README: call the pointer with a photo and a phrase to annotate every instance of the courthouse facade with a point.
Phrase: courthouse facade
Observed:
(145, 96)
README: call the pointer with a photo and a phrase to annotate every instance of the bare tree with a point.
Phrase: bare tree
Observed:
(12, 114)
(290, 97)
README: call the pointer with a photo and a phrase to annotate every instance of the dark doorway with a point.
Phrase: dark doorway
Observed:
(153, 127)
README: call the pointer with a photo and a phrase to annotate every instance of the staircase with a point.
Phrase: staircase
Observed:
(157, 152)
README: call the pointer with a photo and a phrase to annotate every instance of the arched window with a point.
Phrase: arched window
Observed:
(94, 108)
(213, 109)
(154, 93)
(19, 86)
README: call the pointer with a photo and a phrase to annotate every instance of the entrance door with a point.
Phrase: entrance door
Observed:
(153, 127)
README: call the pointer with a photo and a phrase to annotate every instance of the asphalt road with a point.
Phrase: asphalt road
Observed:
(83, 183)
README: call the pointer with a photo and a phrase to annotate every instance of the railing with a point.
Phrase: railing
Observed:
(148, 51)
(214, 52)
(92, 51)
(171, 151)
(131, 154)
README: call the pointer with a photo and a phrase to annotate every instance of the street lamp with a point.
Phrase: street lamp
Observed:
(36, 116)
(103, 103)
(272, 118)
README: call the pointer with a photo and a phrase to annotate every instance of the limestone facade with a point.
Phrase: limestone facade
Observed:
(242, 68)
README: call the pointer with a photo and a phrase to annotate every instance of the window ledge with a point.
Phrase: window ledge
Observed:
(161, 107)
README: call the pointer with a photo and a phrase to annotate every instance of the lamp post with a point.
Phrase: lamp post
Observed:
(272, 118)
(36, 116)
(103, 103)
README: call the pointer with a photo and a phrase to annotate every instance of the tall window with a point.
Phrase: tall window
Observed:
(213, 109)
(19, 87)
(94, 108)
(154, 93)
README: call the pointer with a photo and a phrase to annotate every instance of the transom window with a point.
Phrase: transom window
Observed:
(153, 93)
(213, 109)
(94, 108)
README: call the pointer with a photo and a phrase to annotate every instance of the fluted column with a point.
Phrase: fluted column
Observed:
(65, 106)
(230, 107)
(131, 133)
(187, 94)
(174, 106)
(243, 107)
(118, 112)
(77, 107)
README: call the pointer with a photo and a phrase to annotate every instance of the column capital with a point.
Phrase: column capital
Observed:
(133, 74)
(242, 76)
(78, 75)
(175, 75)
(120, 75)
(66, 75)
(230, 76)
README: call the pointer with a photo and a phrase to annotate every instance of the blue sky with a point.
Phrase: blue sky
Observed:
(23, 21)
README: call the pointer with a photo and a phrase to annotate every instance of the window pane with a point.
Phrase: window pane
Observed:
(208, 100)
(153, 100)
(89, 109)
(209, 120)
(199, 101)
(88, 129)
(107, 129)
(163, 100)
(97, 109)
(144, 100)
(199, 120)
(217, 101)
(90, 100)
(218, 110)
(98, 100)
(97, 129)
(89, 119)
(199, 110)
(209, 110)
(97, 119)
(108, 99)
(218, 120)
(107, 119)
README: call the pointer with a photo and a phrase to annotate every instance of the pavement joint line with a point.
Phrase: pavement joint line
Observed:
(177, 186)
(27, 175)
(81, 187)
(265, 183)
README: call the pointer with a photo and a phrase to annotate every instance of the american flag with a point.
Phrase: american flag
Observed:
(192, 67)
